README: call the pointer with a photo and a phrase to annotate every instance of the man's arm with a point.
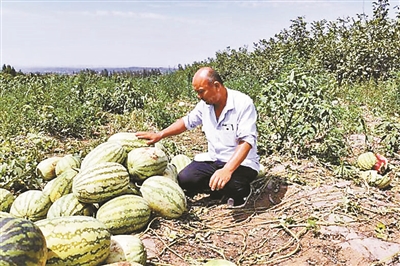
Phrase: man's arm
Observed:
(223, 175)
(176, 128)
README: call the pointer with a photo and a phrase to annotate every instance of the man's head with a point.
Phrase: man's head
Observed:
(209, 86)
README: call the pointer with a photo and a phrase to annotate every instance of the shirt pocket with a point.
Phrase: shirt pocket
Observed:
(227, 135)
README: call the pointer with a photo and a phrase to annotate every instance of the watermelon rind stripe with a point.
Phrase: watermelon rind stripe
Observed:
(164, 196)
(101, 182)
(105, 152)
(21, 243)
(124, 214)
(75, 240)
(31, 204)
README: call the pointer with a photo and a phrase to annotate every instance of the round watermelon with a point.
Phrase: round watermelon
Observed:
(21, 243)
(164, 196)
(366, 160)
(127, 248)
(145, 162)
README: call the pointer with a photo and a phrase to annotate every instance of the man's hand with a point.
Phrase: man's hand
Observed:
(176, 128)
(219, 179)
(222, 176)
(152, 137)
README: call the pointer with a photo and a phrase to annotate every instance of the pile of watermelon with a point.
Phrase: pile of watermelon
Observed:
(91, 210)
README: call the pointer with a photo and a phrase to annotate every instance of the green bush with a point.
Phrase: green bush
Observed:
(297, 111)
(19, 157)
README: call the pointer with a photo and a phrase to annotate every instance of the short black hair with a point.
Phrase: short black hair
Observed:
(214, 76)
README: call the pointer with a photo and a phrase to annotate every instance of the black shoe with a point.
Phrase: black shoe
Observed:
(239, 203)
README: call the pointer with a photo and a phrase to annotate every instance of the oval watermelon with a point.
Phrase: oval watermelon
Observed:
(124, 214)
(100, 182)
(75, 240)
(32, 205)
(165, 197)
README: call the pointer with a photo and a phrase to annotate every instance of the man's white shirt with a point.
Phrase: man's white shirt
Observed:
(237, 122)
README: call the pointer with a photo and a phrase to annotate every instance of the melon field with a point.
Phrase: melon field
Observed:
(326, 93)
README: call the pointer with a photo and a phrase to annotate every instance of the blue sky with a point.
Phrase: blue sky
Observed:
(148, 33)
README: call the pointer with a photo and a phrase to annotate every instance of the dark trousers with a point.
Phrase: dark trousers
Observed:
(196, 177)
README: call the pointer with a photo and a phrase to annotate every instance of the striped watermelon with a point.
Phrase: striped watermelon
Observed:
(100, 182)
(69, 205)
(165, 197)
(159, 145)
(61, 185)
(46, 169)
(171, 172)
(32, 205)
(75, 240)
(69, 161)
(7, 198)
(128, 140)
(366, 160)
(128, 248)
(145, 162)
(124, 214)
(105, 152)
(21, 243)
(180, 161)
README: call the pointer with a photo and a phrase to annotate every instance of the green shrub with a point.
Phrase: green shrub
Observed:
(297, 111)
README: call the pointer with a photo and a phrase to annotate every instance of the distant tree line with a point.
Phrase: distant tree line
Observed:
(10, 70)
(143, 73)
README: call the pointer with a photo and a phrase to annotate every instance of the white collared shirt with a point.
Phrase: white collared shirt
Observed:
(236, 122)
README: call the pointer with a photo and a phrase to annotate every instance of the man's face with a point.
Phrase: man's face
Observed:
(208, 92)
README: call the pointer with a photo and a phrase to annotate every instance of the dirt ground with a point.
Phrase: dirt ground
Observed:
(299, 214)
